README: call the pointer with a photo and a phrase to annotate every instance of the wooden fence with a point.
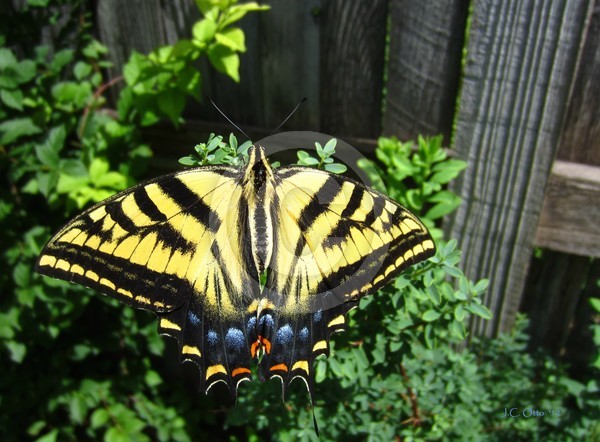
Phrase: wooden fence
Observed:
(521, 107)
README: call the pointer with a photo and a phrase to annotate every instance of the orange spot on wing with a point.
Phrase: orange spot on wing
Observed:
(279, 367)
(260, 343)
(266, 343)
(253, 348)
(240, 370)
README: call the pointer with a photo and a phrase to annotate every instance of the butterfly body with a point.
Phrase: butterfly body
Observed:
(242, 263)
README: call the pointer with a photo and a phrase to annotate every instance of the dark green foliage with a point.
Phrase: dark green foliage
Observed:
(79, 366)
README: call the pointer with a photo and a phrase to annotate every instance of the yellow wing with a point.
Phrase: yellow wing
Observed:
(338, 238)
(172, 245)
(336, 241)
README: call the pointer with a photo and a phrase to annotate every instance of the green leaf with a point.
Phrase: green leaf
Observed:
(204, 5)
(188, 81)
(12, 98)
(233, 38)
(119, 434)
(77, 409)
(94, 49)
(35, 428)
(481, 286)
(336, 168)
(8, 79)
(71, 93)
(125, 103)
(458, 329)
(182, 49)
(48, 151)
(61, 58)
(111, 180)
(433, 294)
(595, 302)
(448, 205)
(203, 32)
(7, 59)
(431, 315)
(188, 161)
(99, 418)
(225, 60)
(12, 130)
(459, 312)
(446, 171)
(22, 274)
(479, 310)
(56, 138)
(68, 183)
(329, 148)
(26, 71)
(149, 117)
(171, 102)
(136, 64)
(309, 161)
(152, 378)
(49, 437)
(82, 70)
(237, 12)
(17, 351)
(98, 168)
(38, 3)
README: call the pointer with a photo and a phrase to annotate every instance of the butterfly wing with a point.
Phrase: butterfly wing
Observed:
(336, 241)
(173, 246)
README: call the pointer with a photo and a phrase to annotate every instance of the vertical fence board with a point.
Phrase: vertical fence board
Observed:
(352, 59)
(280, 68)
(126, 26)
(553, 293)
(426, 41)
(581, 138)
(559, 289)
(520, 65)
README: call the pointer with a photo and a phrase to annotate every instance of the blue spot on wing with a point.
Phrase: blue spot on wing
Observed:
(317, 315)
(284, 335)
(251, 325)
(266, 320)
(235, 339)
(212, 337)
(193, 318)
(303, 334)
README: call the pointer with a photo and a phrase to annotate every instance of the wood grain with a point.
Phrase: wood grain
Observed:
(552, 299)
(519, 70)
(426, 41)
(140, 25)
(581, 137)
(280, 67)
(351, 65)
(571, 211)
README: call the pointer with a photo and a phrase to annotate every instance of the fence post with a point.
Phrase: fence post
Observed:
(520, 66)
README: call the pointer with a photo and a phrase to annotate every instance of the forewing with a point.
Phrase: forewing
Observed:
(172, 245)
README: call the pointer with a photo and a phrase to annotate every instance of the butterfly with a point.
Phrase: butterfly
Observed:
(242, 263)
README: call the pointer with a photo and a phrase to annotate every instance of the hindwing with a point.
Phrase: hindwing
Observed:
(172, 246)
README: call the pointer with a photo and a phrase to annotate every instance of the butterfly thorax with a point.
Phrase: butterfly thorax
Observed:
(259, 193)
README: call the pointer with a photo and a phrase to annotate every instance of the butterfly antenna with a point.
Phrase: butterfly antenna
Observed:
(227, 118)
(290, 115)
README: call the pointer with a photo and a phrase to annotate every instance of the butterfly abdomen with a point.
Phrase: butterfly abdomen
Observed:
(259, 193)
